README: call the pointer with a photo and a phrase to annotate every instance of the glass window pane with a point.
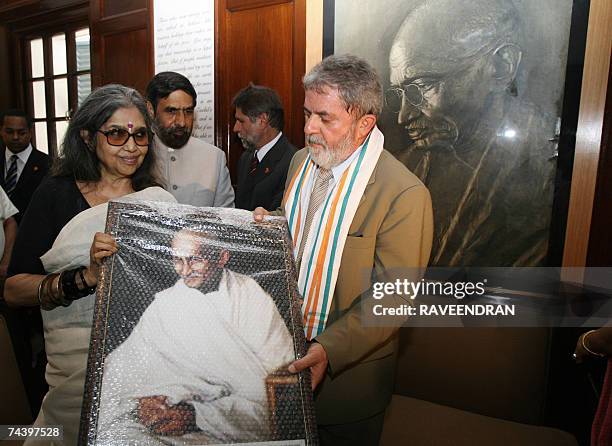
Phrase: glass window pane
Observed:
(60, 90)
(38, 60)
(83, 87)
(60, 131)
(58, 44)
(81, 38)
(40, 129)
(38, 93)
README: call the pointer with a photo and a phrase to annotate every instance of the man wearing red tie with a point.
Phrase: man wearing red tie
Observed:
(262, 168)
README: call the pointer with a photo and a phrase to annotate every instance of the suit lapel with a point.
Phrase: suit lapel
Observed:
(31, 166)
(245, 162)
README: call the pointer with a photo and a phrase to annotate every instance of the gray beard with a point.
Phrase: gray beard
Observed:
(329, 158)
(248, 145)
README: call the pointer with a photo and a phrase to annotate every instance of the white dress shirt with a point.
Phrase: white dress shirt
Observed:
(336, 176)
(261, 153)
(195, 174)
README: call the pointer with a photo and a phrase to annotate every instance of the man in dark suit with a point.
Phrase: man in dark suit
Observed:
(22, 166)
(262, 168)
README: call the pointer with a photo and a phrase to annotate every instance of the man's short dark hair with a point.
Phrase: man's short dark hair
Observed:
(256, 99)
(167, 82)
(18, 113)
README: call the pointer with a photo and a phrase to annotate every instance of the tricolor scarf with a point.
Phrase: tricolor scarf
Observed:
(320, 261)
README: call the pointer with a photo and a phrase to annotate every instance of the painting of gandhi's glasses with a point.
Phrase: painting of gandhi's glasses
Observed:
(414, 93)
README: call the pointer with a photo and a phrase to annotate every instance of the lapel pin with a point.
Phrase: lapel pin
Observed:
(35, 168)
(267, 170)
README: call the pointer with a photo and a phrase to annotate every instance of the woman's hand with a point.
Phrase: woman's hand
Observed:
(580, 354)
(102, 246)
(594, 343)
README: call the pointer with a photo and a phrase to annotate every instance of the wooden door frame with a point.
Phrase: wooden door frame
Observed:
(223, 130)
(589, 133)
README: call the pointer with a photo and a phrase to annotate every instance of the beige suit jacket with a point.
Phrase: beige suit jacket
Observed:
(391, 233)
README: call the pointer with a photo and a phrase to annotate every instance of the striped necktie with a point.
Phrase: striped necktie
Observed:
(11, 177)
(254, 164)
(319, 191)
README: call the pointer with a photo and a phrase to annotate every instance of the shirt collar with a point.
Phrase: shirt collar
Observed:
(340, 168)
(263, 150)
(23, 155)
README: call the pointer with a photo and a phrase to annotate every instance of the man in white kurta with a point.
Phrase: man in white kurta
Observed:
(198, 357)
(195, 174)
(192, 170)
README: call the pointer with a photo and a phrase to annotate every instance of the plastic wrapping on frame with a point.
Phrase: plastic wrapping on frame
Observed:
(197, 318)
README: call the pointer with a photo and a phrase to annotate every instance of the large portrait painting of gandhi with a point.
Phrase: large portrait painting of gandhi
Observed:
(474, 90)
(197, 318)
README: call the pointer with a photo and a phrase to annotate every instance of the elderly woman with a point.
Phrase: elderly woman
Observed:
(105, 156)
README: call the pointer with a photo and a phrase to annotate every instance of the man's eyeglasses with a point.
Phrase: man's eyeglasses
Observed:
(120, 137)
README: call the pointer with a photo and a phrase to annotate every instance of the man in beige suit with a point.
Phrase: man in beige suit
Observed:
(345, 185)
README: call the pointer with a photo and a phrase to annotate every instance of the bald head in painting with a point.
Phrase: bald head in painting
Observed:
(449, 66)
(480, 147)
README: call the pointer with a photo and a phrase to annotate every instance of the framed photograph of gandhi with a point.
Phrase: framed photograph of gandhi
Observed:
(197, 318)
(482, 104)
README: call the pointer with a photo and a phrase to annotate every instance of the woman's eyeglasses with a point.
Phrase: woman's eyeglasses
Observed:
(120, 137)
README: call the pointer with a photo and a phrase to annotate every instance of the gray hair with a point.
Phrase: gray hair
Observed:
(355, 80)
(78, 160)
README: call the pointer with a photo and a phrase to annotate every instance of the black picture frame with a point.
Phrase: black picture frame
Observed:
(257, 259)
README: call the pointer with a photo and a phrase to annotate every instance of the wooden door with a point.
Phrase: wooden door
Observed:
(264, 42)
(122, 42)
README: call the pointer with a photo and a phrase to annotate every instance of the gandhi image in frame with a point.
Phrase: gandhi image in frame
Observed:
(473, 105)
(205, 361)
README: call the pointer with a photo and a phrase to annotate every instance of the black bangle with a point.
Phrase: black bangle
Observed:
(86, 288)
(69, 285)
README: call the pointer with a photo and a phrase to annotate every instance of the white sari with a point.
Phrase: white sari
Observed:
(68, 329)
